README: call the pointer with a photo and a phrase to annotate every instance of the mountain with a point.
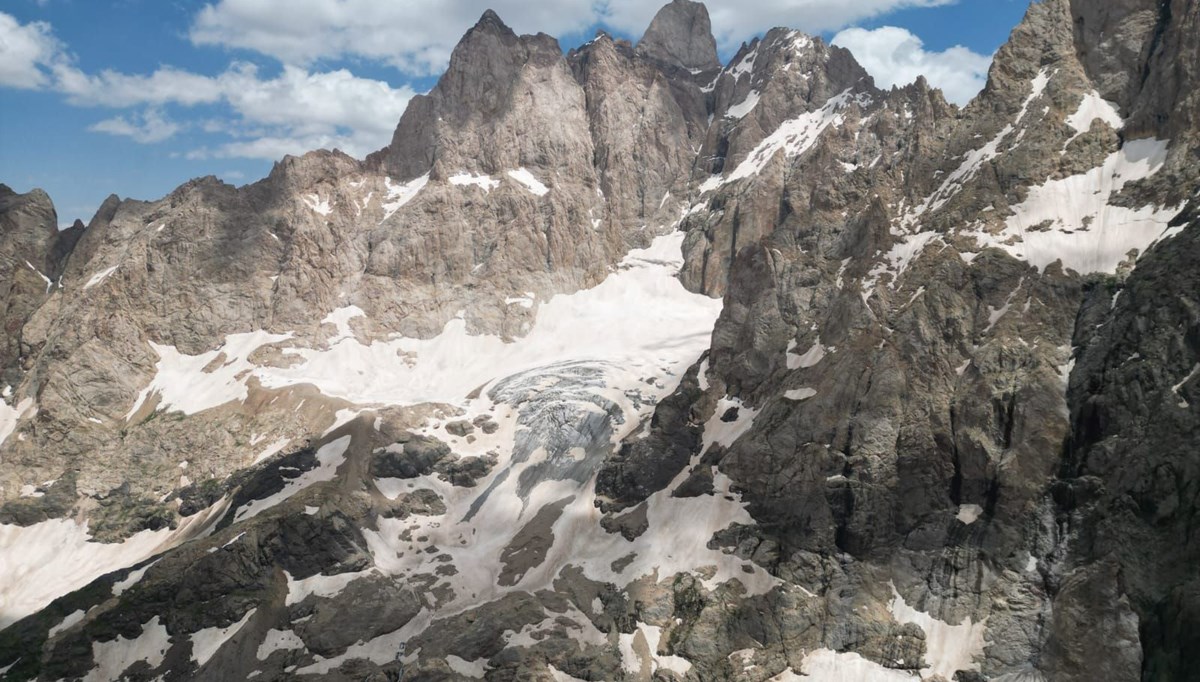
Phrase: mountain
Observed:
(625, 364)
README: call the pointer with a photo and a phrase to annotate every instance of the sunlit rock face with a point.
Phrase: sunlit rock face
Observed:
(626, 364)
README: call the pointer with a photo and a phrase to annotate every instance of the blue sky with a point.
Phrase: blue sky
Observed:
(135, 97)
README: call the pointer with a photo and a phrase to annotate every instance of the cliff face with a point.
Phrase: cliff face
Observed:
(472, 408)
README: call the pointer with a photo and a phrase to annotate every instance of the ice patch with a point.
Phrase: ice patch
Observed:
(271, 450)
(720, 432)
(10, 415)
(49, 284)
(1176, 388)
(525, 301)
(810, 357)
(340, 319)
(527, 179)
(319, 585)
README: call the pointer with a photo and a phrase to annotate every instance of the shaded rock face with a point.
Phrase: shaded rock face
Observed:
(681, 35)
(466, 410)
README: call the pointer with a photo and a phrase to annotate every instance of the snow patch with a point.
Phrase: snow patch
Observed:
(810, 358)
(67, 623)
(745, 106)
(114, 656)
(399, 195)
(278, 640)
(316, 203)
(527, 179)
(208, 641)
(329, 457)
(99, 277)
(485, 182)
(1071, 220)
(800, 394)
(948, 648)
(969, 513)
(184, 385)
(49, 559)
(1092, 108)
(793, 137)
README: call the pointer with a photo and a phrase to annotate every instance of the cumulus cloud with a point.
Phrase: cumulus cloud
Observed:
(894, 56)
(26, 52)
(417, 36)
(414, 36)
(292, 112)
(147, 127)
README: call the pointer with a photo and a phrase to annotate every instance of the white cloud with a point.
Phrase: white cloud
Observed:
(894, 56)
(167, 85)
(735, 21)
(414, 36)
(25, 51)
(148, 127)
(417, 36)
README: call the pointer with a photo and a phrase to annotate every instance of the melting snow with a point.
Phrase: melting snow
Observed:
(800, 394)
(531, 183)
(825, 665)
(67, 623)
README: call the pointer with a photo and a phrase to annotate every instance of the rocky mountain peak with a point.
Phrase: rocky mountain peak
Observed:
(681, 35)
